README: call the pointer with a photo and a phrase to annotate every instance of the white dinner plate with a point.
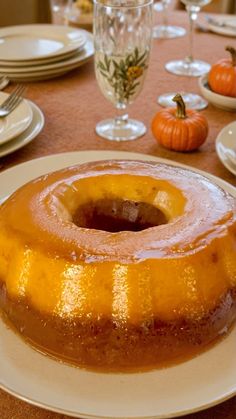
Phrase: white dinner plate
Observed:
(52, 70)
(80, 55)
(191, 386)
(17, 64)
(34, 42)
(26, 136)
(226, 147)
(16, 122)
(219, 26)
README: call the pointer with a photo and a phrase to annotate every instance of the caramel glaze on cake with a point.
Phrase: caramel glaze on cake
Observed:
(119, 265)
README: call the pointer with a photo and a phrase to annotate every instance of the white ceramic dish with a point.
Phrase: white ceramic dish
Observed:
(26, 136)
(52, 70)
(31, 376)
(49, 60)
(16, 122)
(226, 147)
(223, 102)
(80, 55)
(219, 25)
(33, 42)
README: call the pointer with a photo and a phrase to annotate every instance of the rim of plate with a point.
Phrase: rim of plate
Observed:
(26, 136)
(57, 161)
(71, 38)
(85, 416)
(21, 64)
(78, 57)
(47, 75)
(223, 30)
(17, 121)
(218, 145)
(129, 155)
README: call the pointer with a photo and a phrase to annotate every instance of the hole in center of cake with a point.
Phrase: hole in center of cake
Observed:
(118, 215)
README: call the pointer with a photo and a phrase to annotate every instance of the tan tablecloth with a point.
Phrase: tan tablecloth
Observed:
(73, 104)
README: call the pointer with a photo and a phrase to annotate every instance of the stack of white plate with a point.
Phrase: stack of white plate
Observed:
(20, 127)
(40, 52)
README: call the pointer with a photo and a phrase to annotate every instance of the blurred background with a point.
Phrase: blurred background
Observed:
(39, 11)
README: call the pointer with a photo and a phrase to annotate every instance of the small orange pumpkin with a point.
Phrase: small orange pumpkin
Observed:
(180, 129)
(222, 76)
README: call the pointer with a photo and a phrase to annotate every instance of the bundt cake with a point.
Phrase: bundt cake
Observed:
(119, 265)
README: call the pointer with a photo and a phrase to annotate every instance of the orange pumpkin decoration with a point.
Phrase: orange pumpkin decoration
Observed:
(222, 76)
(180, 129)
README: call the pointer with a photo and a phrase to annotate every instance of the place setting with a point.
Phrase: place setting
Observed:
(192, 67)
(216, 82)
(21, 120)
(222, 25)
(188, 66)
(40, 52)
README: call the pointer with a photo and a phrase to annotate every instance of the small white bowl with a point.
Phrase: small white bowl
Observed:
(226, 147)
(223, 102)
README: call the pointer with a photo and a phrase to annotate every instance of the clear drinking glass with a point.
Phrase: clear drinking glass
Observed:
(165, 30)
(189, 66)
(60, 10)
(158, 7)
(191, 100)
(122, 40)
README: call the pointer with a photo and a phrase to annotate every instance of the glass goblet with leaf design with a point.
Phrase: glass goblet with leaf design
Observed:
(122, 39)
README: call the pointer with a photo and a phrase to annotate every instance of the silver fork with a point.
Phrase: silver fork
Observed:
(13, 100)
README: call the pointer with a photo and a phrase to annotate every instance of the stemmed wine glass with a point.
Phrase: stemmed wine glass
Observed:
(60, 11)
(191, 100)
(165, 30)
(122, 40)
(158, 7)
(190, 66)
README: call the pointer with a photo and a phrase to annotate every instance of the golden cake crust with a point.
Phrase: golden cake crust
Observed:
(198, 211)
(146, 296)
